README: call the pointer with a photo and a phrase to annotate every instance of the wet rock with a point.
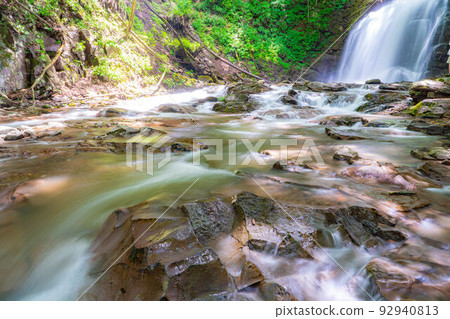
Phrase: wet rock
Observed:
(400, 86)
(345, 153)
(404, 201)
(122, 131)
(248, 88)
(435, 153)
(380, 123)
(205, 78)
(429, 89)
(235, 107)
(341, 97)
(6, 129)
(363, 224)
(250, 275)
(266, 221)
(26, 130)
(379, 101)
(373, 81)
(203, 275)
(237, 97)
(342, 135)
(206, 100)
(263, 246)
(290, 248)
(429, 127)
(209, 219)
(292, 166)
(287, 99)
(113, 112)
(412, 272)
(436, 171)
(392, 280)
(389, 233)
(175, 108)
(124, 283)
(180, 147)
(380, 173)
(432, 108)
(169, 245)
(271, 291)
(319, 86)
(14, 135)
(343, 120)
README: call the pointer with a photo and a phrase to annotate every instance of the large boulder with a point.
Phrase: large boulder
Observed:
(175, 108)
(426, 89)
(412, 272)
(342, 135)
(364, 224)
(434, 153)
(432, 108)
(153, 258)
(248, 88)
(380, 101)
(436, 171)
(346, 120)
(209, 218)
(377, 172)
(430, 127)
(113, 112)
(269, 222)
(345, 153)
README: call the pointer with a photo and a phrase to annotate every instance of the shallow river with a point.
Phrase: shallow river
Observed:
(45, 242)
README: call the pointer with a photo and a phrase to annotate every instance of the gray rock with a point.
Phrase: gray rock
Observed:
(428, 127)
(432, 108)
(175, 108)
(429, 89)
(342, 135)
(436, 171)
(209, 218)
(343, 120)
(345, 153)
(271, 291)
(114, 112)
(373, 81)
(6, 129)
(382, 100)
(122, 130)
(14, 135)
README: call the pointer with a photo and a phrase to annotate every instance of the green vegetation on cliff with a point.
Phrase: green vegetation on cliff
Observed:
(263, 32)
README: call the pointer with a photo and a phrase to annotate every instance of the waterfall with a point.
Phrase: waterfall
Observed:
(393, 43)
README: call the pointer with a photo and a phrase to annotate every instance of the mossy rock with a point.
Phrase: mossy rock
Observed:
(205, 78)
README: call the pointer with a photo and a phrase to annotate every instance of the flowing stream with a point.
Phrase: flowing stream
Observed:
(45, 250)
(393, 43)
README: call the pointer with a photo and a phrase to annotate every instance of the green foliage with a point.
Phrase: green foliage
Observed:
(183, 8)
(79, 47)
(109, 70)
(44, 7)
(280, 32)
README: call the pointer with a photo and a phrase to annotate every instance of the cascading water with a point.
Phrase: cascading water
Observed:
(393, 43)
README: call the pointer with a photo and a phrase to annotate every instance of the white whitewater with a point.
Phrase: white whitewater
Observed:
(393, 43)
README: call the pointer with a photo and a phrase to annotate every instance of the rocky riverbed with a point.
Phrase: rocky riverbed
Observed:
(363, 214)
